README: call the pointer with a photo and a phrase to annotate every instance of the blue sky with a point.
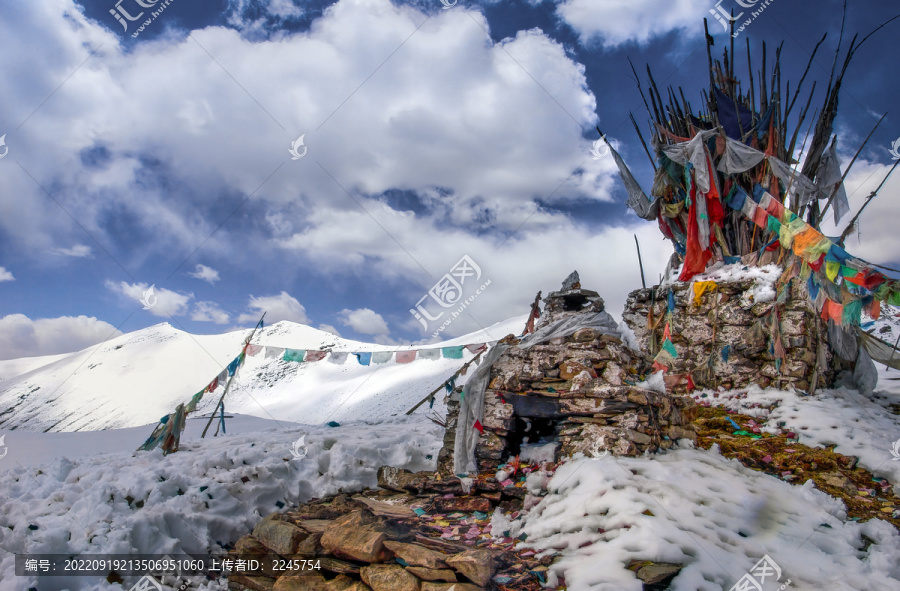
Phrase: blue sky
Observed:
(431, 134)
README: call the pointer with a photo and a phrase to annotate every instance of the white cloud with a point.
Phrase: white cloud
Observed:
(615, 22)
(365, 321)
(277, 308)
(6, 275)
(330, 328)
(21, 336)
(209, 312)
(205, 273)
(448, 87)
(878, 240)
(168, 302)
(77, 251)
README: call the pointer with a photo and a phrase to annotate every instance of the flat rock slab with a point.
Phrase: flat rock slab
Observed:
(357, 536)
(389, 577)
(433, 574)
(280, 536)
(475, 565)
(387, 509)
(416, 555)
(463, 504)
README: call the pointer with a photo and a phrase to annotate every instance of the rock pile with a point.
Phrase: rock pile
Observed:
(725, 338)
(577, 390)
(374, 541)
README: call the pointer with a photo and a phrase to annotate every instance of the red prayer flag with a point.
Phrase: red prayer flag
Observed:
(696, 255)
(406, 356)
(478, 426)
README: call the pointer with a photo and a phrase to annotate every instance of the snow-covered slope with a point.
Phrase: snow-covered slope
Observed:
(208, 494)
(10, 368)
(137, 378)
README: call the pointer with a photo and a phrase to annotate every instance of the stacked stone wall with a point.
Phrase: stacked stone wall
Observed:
(725, 339)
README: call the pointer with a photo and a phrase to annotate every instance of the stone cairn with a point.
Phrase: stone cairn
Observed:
(577, 390)
(574, 390)
(725, 338)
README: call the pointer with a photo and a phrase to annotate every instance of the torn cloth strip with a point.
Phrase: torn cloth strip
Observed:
(338, 358)
(799, 185)
(192, 405)
(232, 367)
(431, 354)
(879, 350)
(406, 356)
(739, 157)
(274, 352)
(828, 179)
(296, 355)
(382, 356)
(697, 255)
(453, 352)
(637, 199)
(736, 198)
(701, 287)
(734, 118)
(693, 151)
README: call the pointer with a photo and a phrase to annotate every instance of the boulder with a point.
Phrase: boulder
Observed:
(433, 574)
(658, 573)
(253, 583)
(400, 480)
(389, 577)
(475, 565)
(416, 555)
(280, 536)
(357, 536)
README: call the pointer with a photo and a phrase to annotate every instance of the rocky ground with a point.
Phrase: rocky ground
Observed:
(414, 533)
(741, 437)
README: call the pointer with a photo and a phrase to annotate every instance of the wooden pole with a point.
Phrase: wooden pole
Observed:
(869, 199)
(231, 379)
(438, 389)
(640, 262)
(846, 172)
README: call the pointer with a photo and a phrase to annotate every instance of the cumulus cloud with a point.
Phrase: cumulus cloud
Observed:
(277, 308)
(365, 321)
(159, 301)
(77, 251)
(6, 275)
(615, 22)
(447, 87)
(205, 273)
(21, 336)
(209, 312)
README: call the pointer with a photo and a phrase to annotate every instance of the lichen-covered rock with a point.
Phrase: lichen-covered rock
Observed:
(389, 577)
(357, 536)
